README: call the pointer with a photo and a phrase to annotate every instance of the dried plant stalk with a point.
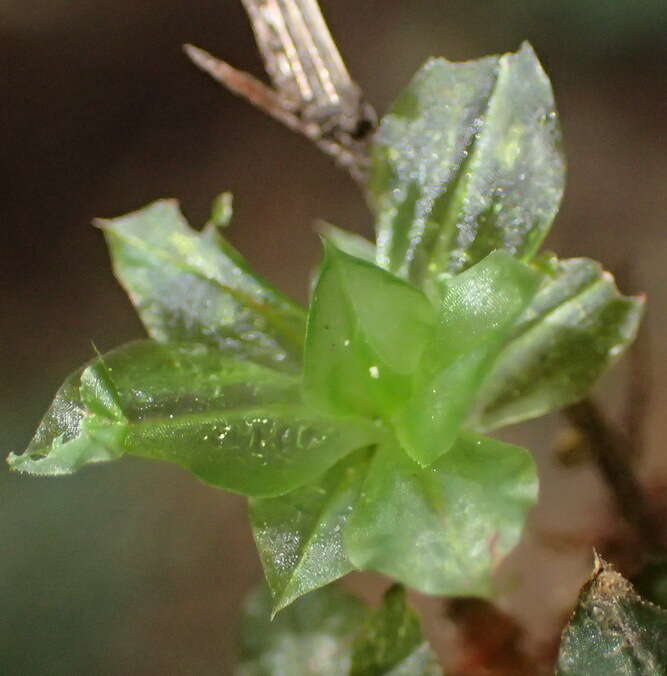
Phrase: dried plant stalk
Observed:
(312, 91)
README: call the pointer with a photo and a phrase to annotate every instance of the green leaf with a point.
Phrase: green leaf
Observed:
(69, 437)
(313, 637)
(442, 529)
(260, 452)
(573, 330)
(476, 313)
(300, 535)
(391, 642)
(613, 631)
(431, 421)
(222, 210)
(188, 285)
(483, 300)
(467, 161)
(235, 424)
(366, 333)
(348, 242)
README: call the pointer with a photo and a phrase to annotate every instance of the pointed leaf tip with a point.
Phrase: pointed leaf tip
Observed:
(190, 285)
(299, 536)
(613, 630)
(222, 210)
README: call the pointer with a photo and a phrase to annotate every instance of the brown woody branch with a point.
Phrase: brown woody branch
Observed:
(312, 92)
(610, 448)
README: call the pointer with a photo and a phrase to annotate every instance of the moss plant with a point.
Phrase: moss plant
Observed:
(358, 427)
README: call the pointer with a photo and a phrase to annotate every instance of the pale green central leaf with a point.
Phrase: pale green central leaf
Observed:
(476, 312)
(367, 330)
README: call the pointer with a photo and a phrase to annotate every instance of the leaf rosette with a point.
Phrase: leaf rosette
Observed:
(355, 428)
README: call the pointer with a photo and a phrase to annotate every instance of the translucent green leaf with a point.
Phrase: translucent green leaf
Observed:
(222, 210)
(575, 327)
(475, 316)
(235, 424)
(391, 642)
(62, 423)
(313, 637)
(431, 421)
(260, 452)
(484, 299)
(613, 631)
(348, 242)
(443, 529)
(62, 446)
(189, 285)
(467, 161)
(366, 333)
(300, 535)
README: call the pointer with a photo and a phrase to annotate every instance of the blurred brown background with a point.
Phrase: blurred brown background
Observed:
(134, 568)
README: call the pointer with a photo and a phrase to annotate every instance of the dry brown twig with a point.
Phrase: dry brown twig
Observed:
(312, 91)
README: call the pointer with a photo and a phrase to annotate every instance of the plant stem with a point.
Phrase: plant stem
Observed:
(609, 446)
(312, 91)
(638, 398)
